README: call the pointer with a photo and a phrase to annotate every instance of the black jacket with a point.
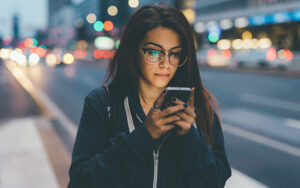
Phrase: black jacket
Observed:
(109, 155)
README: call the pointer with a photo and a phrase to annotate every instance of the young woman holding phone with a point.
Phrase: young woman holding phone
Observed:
(139, 144)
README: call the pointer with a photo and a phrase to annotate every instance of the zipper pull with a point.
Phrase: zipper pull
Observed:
(155, 157)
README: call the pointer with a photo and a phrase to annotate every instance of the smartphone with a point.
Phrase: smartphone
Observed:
(181, 93)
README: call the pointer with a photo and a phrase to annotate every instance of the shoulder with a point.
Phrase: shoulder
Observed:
(97, 96)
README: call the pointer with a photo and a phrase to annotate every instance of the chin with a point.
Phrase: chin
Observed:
(160, 84)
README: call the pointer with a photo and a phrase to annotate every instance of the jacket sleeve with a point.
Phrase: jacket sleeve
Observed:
(202, 165)
(95, 163)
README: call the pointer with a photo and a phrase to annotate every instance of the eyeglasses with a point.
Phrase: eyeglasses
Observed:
(153, 56)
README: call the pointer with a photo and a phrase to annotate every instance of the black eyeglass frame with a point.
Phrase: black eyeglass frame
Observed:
(164, 53)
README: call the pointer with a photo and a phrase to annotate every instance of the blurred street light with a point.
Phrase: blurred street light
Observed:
(91, 18)
(133, 3)
(112, 10)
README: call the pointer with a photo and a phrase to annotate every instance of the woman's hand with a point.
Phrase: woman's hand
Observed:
(158, 122)
(187, 116)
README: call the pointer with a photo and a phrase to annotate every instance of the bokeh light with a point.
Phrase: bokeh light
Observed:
(237, 44)
(213, 36)
(133, 3)
(265, 43)
(199, 27)
(224, 44)
(190, 15)
(80, 53)
(117, 44)
(68, 58)
(98, 54)
(271, 54)
(82, 44)
(104, 43)
(246, 35)
(226, 24)
(51, 60)
(112, 10)
(91, 18)
(33, 59)
(98, 26)
(108, 25)
(4, 53)
(241, 22)
(28, 43)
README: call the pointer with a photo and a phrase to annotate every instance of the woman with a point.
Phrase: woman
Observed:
(140, 145)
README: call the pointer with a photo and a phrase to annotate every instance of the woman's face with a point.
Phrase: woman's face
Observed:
(163, 40)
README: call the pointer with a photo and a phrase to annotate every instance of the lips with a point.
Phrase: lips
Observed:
(163, 75)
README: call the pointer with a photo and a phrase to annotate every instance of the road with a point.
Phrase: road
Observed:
(260, 114)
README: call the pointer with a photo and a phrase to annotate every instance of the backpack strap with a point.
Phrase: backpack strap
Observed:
(108, 107)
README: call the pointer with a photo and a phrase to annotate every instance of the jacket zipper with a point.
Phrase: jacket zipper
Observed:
(155, 160)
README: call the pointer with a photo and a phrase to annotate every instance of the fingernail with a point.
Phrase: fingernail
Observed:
(185, 105)
(173, 99)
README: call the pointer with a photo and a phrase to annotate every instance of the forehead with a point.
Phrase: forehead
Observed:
(165, 37)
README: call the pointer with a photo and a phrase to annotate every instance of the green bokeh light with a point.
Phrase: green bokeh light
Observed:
(98, 26)
(35, 42)
(213, 37)
(117, 44)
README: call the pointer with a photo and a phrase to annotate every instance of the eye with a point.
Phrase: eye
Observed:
(154, 53)
(175, 54)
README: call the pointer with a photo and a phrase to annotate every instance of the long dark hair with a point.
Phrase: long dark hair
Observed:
(123, 69)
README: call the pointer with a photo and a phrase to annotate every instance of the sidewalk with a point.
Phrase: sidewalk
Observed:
(32, 155)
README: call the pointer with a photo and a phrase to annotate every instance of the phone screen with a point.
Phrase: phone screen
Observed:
(181, 93)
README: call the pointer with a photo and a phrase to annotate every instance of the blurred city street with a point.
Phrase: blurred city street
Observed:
(248, 54)
(260, 116)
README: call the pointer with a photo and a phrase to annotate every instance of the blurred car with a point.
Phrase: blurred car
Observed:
(263, 58)
(214, 57)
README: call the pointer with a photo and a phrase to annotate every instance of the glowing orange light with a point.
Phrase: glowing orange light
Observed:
(226, 54)
(98, 54)
(271, 54)
(28, 42)
(211, 52)
(80, 54)
(288, 55)
(41, 52)
(108, 25)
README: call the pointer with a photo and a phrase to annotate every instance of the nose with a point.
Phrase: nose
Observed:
(165, 62)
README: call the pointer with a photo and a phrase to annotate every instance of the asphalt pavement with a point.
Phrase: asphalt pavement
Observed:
(260, 114)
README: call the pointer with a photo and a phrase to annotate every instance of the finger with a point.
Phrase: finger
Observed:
(161, 97)
(168, 127)
(185, 117)
(171, 119)
(191, 99)
(190, 111)
(171, 110)
(177, 101)
(182, 124)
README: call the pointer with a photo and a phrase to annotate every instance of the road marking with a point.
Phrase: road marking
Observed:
(292, 123)
(238, 178)
(262, 140)
(270, 102)
(48, 107)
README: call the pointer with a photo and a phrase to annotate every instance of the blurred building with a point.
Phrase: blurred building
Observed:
(277, 20)
(60, 22)
(15, 29)
(71, 20)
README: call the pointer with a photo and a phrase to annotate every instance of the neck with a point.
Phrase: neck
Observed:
(148, 94)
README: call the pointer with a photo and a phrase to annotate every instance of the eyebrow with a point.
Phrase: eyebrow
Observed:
(180, 46)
